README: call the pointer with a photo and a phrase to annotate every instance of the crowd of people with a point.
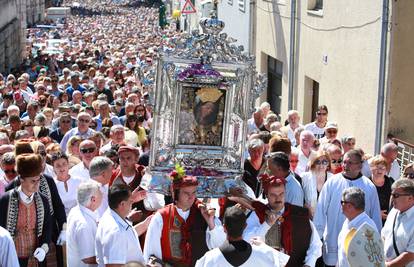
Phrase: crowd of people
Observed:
(75, 135)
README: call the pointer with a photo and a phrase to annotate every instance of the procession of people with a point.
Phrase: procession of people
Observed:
(75, 139)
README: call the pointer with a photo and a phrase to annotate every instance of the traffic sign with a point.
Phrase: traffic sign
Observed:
(188, 8)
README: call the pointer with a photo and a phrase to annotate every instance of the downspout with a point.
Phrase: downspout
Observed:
(252, 28)
(382, 74)
(292, 52)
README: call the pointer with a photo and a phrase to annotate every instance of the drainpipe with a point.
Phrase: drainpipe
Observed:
(292, 52)
(252, 28)
(381, 83)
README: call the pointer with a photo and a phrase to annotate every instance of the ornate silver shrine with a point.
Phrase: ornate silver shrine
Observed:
(205, 90)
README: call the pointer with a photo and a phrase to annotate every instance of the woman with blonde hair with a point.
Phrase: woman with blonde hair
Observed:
(382, 182)
(313, 181)
(72, 150)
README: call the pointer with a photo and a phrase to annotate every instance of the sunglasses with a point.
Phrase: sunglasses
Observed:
(344, 202)
(87, 150)
(321, 113)
(84, 121)
(409, 175)
(9, 171)
(332, 131)
(321, 162)
(397, 195)
(65, 121)
(336, 161)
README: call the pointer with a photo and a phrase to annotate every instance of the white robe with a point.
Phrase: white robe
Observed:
(328, 217)
(262, 255)
(214, 238)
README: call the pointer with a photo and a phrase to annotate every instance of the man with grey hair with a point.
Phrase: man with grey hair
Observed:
(117, 137)
(82, 225)
(253, 164)
(353, 206)
(398, 231)
(256, 122)
(306, 154)
(390, 152)
(294, 122)
(100, 170)
(105, 113)
(82, 129)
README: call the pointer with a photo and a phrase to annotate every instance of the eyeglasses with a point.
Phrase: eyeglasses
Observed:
(84, 121)
(397, 195)
(11, 171)
(321, 113)
(140, 110)
(321, 162)
(350, 162)
(336, 161)
(379, 169)
(87, 150)
(350, 143)
(409, 175)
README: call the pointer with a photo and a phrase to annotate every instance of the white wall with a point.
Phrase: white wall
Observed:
(236, 21)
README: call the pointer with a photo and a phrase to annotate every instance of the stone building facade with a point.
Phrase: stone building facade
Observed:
(15, 16)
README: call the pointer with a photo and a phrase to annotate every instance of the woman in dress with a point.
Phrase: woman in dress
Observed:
(313, 181)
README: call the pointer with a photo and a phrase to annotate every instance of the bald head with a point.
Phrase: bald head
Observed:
(390, 152)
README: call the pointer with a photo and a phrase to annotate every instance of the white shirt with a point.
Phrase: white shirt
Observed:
(303, 161)
(328, 217)
(81, 231)
(310, 189)
(23, 197)
(395, 171)
(79, 171)
(8, 256)
(116, 241)
(256, 229)
(294, 191)
(251, 126)
(69, 198)
(263, 256)
(357, 222)
(404, 233)
(104, 204)
(214, 238)
(318, 132)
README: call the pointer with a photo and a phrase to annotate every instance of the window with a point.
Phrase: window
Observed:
(242, 4)
(274, 83)
(315, 5)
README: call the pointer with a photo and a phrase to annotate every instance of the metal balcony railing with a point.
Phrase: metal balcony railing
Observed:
(405, 153)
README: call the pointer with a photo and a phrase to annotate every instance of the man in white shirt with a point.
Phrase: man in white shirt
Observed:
(256, 122)
(306, 154)
(82, 225)
(353, 206)
(318, 126)
(117, 240)
(101, 171)
(88, 151)
(237, 252)
(294, 123)
(390, 152)
(398, 231)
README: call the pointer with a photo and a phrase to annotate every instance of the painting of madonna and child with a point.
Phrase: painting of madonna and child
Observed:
(201, 116)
